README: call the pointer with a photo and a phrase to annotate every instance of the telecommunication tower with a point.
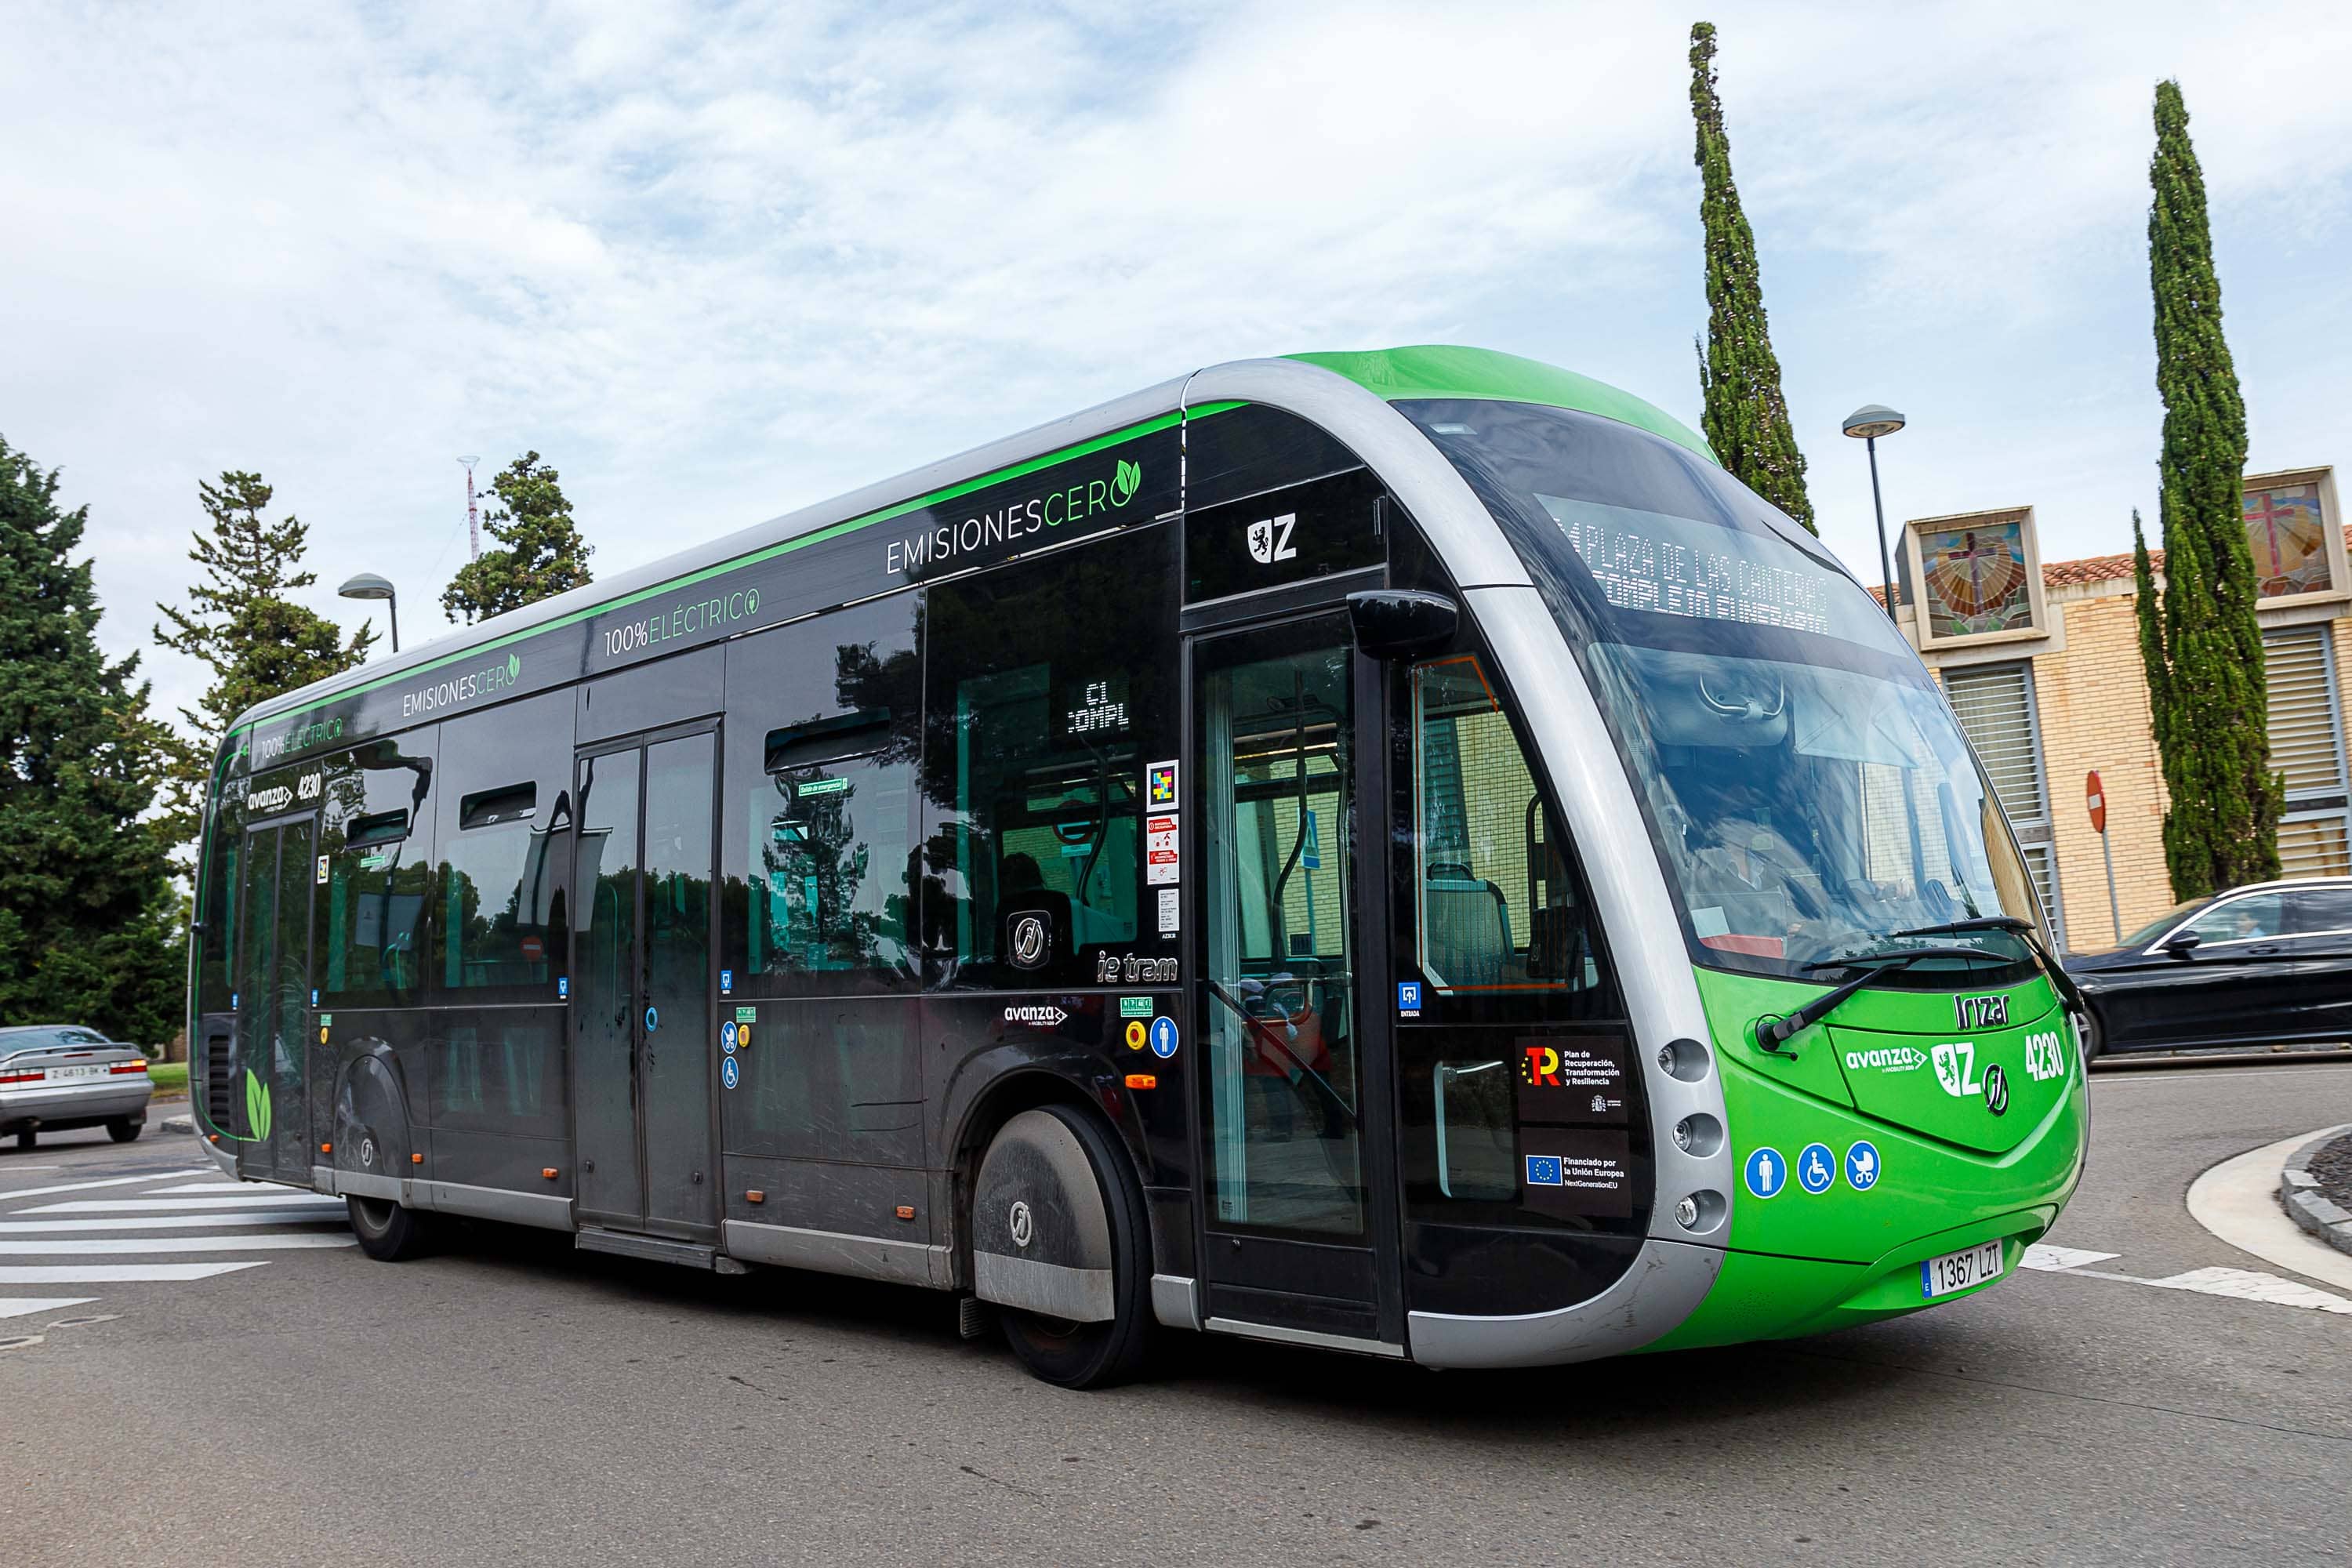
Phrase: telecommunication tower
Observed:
(473, 517)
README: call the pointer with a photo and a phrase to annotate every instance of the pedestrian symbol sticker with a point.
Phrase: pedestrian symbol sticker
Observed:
(727, 1037)
(1766, 1172)
(1862, 1166)
(1816, 1168)
(1163, 1037)
(730, 1072)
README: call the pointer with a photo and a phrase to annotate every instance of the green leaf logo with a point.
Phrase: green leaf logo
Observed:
(1125, 482)
(514, 667)
(257, 1107)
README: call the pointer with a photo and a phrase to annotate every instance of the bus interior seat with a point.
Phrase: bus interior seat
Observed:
(1467, 939)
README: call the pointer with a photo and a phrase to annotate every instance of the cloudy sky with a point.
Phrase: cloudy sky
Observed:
(715, 262)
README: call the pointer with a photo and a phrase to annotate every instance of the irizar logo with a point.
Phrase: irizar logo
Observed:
(1982, 1012)
(1956, 1068)
(1886, 1058)
(1269, 539)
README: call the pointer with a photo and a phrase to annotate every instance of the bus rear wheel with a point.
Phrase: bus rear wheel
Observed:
(1070, 1353)
(388, 1232)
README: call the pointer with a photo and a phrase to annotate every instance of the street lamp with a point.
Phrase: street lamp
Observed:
(1867, 424)
(368, 585)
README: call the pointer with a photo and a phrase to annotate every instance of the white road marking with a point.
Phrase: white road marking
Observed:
(2248, 1286)
(292, 1242)
(280, 1198)
(26, 1306)
(114, 1273)
(247, 1187)
(173, 1221)
(2040, 1255)
(85, 1186)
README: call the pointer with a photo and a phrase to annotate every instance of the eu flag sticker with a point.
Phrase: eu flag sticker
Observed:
(1543, 1171)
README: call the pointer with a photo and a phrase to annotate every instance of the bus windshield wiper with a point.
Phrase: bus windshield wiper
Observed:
(1772, 1033)
(2068, 991)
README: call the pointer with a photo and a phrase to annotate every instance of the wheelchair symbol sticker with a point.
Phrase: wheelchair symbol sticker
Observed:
(1816, 1168)
(730, 1072)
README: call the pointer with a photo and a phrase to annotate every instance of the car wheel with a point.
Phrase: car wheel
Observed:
(389, 1232)
(2095, 1034)
(28, 1139)
(125, 1132)
(1095, 1355)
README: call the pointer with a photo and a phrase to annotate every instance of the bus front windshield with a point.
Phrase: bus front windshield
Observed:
(1810, 792)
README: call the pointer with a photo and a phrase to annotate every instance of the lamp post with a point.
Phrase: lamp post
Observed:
(368, 585)
(1867, 424)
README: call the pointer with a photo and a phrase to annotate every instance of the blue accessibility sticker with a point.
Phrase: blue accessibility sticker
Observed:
(1766, 1172)
(1409, 998)
(1816, 1168)
(1862, 1166)
(1163, 1037)
(730, 1072)
(562, 986)
(727, 1037)
(726, 982)
(1543, 1171)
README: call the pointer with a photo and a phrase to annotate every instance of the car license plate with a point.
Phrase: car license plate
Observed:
(1959, 1270)
(59, 1074)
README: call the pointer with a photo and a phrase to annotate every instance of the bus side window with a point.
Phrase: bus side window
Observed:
(1051, 686)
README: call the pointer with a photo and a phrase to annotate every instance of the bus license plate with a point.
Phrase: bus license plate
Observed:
(58, 1075)
(1959, 1270)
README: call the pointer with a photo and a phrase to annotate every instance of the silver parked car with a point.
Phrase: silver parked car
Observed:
(58, 1077)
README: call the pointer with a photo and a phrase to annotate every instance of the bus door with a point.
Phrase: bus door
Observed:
(1295, 1117)
(643, 1043)
(269, 1110)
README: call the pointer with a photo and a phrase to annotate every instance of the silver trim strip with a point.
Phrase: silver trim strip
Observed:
(1056, 1290)
(833, 1252)
(544, 1210)
(1176, 1302)
(361, 1184)
(1280, 1335)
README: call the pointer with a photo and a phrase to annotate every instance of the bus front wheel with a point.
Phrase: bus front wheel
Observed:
(388, 1232)
(1059, 1221)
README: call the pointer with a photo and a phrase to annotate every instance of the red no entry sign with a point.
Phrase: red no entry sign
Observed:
(2096, 797)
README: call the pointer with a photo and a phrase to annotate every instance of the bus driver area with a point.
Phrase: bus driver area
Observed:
(1303, 851)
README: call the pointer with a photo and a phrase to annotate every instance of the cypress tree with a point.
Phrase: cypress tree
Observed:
(86, 911)
(1744, 415)
(257, 642)
(2201, 643)
(544, 555)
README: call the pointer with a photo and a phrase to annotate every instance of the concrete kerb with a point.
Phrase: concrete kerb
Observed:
(2300, 1196)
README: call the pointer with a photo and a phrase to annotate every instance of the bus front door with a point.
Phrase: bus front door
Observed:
(268, 1107)
(1297, 1194)
(644, 1041)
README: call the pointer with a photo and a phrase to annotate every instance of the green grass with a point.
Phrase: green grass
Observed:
(170, 1078)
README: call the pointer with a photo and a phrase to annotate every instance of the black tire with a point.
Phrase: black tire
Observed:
(389, 1232)
(1096, 1355)
(125, 1132)
(2094, 1035)
(28, 1139)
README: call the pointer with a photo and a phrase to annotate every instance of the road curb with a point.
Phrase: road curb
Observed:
(180, 1124)
(2300, 1196)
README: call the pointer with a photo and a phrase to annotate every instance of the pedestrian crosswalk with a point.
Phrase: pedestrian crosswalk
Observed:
(161, 1229)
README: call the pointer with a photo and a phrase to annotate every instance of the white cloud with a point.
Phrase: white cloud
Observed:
(716, 262)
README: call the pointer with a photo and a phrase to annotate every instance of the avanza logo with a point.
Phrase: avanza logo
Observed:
(1886, 1058)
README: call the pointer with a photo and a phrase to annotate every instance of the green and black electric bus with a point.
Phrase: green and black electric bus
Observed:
(1389, 852)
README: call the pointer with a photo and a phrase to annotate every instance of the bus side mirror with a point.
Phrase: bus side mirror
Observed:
(1400, 623)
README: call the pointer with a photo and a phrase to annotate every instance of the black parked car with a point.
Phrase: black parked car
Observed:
(2252, 966)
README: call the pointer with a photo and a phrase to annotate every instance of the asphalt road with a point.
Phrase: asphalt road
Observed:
(512, 1401)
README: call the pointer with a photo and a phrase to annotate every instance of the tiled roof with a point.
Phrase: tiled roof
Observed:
(2092, 569)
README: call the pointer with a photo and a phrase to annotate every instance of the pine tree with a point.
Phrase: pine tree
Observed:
(1744, 415)
(2203, 644)
(259, 642)
(87, 910)
(544, 555)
